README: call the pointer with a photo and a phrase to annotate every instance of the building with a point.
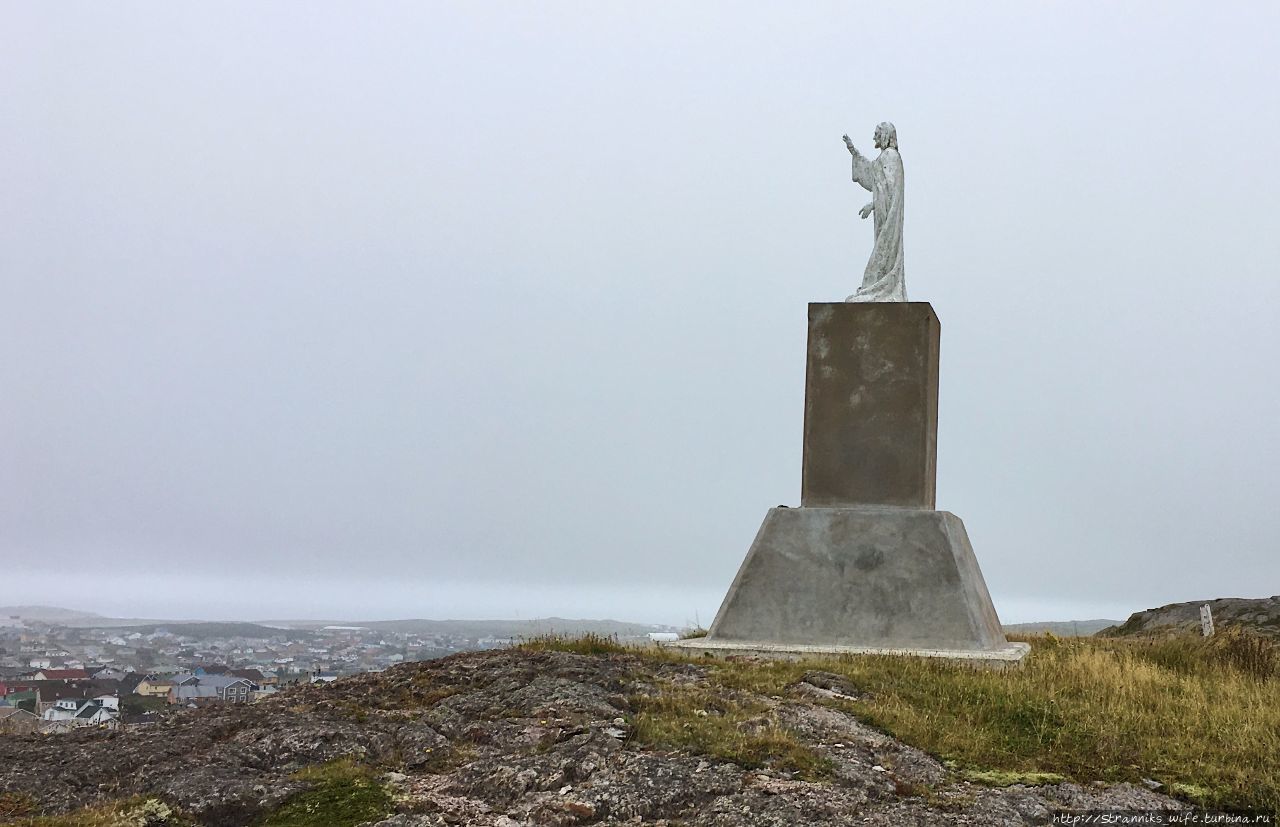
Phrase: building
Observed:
(82, 713)
(60, 675)
(201, 689)
(14, 720)
(153, 688)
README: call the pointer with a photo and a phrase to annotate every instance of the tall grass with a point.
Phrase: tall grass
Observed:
(589, 643)
(1200, 716)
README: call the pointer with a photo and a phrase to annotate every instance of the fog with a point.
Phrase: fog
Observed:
(496, 310)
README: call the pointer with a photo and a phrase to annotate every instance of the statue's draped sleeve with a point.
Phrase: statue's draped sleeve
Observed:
(862, 170)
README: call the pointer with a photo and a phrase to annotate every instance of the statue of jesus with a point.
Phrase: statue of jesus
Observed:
(883, 280)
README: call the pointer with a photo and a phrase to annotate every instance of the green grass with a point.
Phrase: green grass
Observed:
(131, 812)
(1201, 716)
(721, 725)
(339, 794)
(586, 644)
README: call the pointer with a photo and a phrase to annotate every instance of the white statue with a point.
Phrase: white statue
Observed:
(883, 280)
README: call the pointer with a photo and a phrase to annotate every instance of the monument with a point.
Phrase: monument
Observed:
(866, 564)
(883, 280)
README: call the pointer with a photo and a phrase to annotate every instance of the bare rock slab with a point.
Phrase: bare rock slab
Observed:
(860, 580)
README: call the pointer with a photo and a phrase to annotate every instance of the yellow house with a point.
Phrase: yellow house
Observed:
(154, 688)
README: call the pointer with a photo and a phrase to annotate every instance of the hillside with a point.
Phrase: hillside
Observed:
(588, 733)
(1259, 616)
(47, 614)
(1062, 628)
(491, 628)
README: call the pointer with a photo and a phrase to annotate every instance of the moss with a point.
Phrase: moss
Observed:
(1005, 778)
(721, 725)
(130, 812)
(339, 794)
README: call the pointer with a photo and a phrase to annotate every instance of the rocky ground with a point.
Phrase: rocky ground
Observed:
(518, 737)
(1259, 616)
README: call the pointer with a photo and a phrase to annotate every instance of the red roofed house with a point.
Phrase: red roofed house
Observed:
(61, 675)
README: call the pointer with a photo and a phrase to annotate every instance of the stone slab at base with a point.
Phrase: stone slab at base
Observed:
(859, 581)
(1011, 654)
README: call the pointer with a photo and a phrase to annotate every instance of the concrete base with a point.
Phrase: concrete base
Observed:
(1011, 654)
(860, 581)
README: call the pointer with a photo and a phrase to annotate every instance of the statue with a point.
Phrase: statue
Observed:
(883, 280)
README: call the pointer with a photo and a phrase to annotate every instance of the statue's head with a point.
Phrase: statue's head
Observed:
(886, 136)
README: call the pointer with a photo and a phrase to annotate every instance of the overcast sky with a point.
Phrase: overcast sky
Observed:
(499, 309)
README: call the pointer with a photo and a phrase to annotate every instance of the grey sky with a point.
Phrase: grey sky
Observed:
(477, 309)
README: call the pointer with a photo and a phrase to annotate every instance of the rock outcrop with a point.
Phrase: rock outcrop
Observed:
(519, 737)
(1260, 616)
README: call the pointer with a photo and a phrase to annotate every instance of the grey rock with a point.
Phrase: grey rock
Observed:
(513, 754)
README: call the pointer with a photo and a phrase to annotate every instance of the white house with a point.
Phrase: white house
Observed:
(79, 713)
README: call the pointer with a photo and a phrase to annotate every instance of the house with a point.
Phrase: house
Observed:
(164, 670)
(82, 713)
(14, 720)
(27, 698)
(60, 675)
(250, 674)
(107, 701)
(9, 687)
(50, 692)
(130, 682)
(108, 673)
(209, 688)
(153, 688)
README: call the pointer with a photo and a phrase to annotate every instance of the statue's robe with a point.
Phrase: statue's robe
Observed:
(883, 280)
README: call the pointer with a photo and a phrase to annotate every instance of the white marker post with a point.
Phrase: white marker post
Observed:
(1206, 620)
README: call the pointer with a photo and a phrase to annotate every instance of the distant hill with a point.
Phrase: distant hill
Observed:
(1260, 616)
(1061, 628)
(207, 629)
(491, 628)
(270, 628)
(46, 614)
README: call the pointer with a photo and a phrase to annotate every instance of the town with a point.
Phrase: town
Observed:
(57, 675)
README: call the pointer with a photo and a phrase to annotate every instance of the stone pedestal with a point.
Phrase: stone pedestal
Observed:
(871, 405)
(865, 565)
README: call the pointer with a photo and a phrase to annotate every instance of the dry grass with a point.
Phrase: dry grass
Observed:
(722, 725)
(1202, 717)
(133, 812)
(587, 644)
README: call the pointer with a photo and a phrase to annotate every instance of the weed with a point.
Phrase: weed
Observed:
(131, 812)
(340, 793)
(718, 724)
(586, 644)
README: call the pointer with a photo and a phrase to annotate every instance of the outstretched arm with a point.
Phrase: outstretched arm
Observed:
(861, 166)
